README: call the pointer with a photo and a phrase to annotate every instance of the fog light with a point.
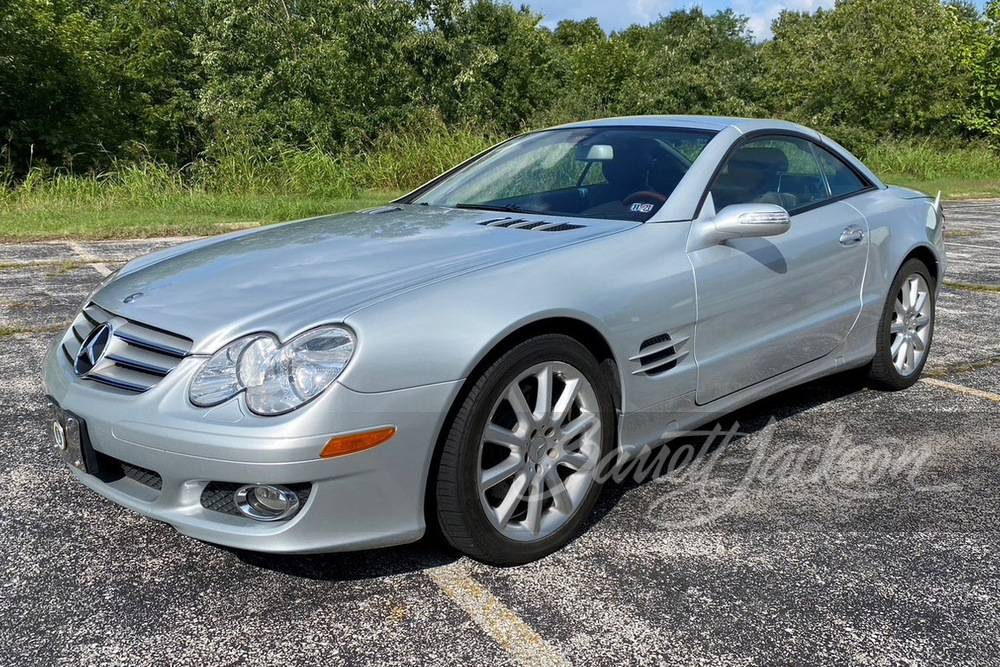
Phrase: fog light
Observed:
(264, 502)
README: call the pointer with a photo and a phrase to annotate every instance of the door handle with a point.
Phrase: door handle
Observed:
(853, 235)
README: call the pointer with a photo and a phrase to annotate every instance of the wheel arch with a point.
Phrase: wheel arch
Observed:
(577, 329)
(928, 257)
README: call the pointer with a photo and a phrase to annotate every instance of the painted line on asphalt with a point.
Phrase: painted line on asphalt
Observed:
(19, 265)
(515, 636)
(988, 248)
(959, 389)
(91, 260)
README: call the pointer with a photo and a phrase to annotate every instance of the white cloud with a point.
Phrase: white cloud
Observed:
(613, 14)
(647, 11)
(620, 14)
(762, 14)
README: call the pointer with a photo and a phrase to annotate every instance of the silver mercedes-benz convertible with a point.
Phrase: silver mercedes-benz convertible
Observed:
(470, 356)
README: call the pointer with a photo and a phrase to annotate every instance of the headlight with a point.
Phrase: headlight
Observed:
(276, 378)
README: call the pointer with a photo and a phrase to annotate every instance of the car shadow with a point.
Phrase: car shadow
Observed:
(747, 421)
(766, 253)
(431, 551)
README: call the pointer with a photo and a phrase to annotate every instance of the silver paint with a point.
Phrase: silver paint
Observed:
(430, 292)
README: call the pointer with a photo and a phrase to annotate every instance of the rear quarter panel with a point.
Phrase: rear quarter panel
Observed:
(898, 226)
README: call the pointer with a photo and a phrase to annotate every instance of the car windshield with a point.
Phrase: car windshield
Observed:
(611, 173)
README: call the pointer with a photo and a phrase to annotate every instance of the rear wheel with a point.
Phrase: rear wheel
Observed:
(518, 471)
(906, 330)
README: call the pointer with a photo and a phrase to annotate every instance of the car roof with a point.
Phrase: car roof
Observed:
(677, 208)
(713, 123)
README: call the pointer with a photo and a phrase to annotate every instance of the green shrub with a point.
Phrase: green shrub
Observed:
(930, 160)
(406, 160)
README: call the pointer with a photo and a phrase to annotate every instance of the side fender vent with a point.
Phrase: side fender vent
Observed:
(659, 355)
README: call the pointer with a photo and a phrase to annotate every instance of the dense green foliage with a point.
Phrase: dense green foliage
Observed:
(141, 199)
(982, 54)
(327, 97)
(872, 69)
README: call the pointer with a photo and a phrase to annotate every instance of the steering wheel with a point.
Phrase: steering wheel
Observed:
(644, 202)
(645, 196)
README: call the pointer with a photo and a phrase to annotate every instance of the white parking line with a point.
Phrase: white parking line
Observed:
(968, 391)
(987, 248)
(90, 259)
(489, 613)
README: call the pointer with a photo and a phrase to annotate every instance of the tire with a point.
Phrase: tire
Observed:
(538, 464)
(907, 322)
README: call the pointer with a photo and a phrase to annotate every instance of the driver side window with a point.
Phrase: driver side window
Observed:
(772, 170)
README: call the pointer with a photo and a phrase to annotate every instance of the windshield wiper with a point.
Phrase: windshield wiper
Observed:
(506, 208)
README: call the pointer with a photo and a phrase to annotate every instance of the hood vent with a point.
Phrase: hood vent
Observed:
(659, 355)
(530, 225)
(382, 209)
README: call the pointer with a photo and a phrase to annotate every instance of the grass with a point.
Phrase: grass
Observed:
(146, 199)
(7, 331)
(953, 189)
(991, 289)
(959, 171)
(964, 368)
(239, 186)
(235, 186)
(194, 214)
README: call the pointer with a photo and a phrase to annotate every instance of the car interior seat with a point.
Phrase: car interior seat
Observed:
(754, 176)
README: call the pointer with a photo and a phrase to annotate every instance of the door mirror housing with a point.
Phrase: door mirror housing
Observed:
(746, 221)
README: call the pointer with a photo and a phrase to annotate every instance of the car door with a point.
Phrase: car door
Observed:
(769, 305)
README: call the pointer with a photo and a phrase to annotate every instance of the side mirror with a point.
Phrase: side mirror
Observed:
(744, 221)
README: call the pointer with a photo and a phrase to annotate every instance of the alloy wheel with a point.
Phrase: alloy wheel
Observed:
(539, 452)
(911, 325)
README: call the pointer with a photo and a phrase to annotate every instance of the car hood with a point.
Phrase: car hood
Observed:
(290, 277)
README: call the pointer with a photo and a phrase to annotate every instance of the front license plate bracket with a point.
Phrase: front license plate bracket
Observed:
(69, 437)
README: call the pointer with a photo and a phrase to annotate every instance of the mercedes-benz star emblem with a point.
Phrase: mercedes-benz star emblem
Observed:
(93, 349)
(132, 297)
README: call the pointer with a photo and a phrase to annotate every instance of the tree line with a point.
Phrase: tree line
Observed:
(183, 82)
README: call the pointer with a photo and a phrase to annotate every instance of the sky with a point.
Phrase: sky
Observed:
(619, 14)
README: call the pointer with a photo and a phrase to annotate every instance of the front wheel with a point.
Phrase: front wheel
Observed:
(906, 330)
(518, 473)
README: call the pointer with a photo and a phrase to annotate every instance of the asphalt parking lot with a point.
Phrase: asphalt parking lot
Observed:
(843, 526)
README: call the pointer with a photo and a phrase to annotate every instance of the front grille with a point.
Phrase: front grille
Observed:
(137, 356)
(218, 496)
(144, 476)
(109, 469)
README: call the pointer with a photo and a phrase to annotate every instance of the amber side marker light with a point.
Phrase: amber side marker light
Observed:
(359, 442)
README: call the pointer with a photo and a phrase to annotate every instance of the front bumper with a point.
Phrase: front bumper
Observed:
(370, 499)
